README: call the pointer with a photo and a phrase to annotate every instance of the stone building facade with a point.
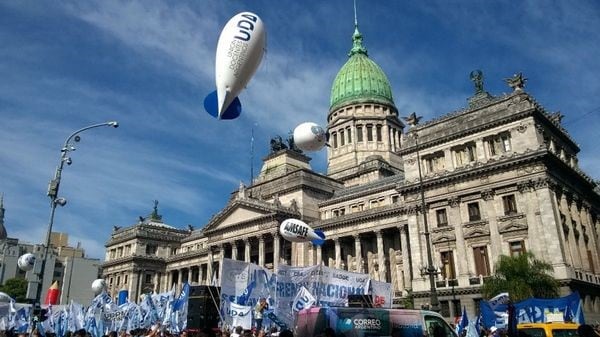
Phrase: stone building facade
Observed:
(498, 177)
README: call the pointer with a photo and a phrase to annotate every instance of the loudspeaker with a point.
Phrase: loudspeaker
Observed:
(360, 301)
(203, 307)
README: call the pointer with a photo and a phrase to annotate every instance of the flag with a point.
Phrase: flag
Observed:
(474, 327)
(303, 300)
(76, 318)
(243, 298)
(179, 321)
(22, 320)
(161, 302)
(501, 298)
(241, 315)
(149, 312)
(463, 323)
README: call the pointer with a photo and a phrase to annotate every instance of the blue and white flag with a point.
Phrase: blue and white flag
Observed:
(76, 318)
(474, 327)
(22, 320)
(463, 323)
(161, 301)
(303, 300)
(243, 298)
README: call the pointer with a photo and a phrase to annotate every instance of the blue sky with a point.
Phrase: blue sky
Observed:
(149, 64)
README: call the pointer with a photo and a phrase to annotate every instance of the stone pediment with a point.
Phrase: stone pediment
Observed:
(243, 211)
(512, 226)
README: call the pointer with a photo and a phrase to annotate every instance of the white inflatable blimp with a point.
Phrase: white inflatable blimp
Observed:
(26, 262)
(98, 286)
(295, 230)
(309, 137)
(239, 52)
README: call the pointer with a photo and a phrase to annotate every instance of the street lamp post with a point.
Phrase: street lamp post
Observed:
(56, 201)
(430, 269)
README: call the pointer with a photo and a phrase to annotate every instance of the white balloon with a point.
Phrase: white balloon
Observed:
(310, 136)
(26, 262)
(239, 52)
(295, 230)
(98, 285)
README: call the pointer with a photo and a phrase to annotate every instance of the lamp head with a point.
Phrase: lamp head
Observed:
(114, 124)
(60, 201)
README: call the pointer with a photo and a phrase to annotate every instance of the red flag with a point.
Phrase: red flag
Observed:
(52, 294)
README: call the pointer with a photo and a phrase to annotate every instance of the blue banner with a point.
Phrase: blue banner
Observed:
(533, 310)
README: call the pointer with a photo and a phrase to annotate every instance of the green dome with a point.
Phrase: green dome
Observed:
(360, 79)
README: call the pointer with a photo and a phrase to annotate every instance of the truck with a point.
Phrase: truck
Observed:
(370, 322)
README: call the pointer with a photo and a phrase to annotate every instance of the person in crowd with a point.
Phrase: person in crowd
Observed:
(586, 330)
(259, 310)
(286, 333)
(237, 332)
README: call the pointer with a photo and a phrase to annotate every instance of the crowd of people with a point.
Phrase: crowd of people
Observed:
(207, 332)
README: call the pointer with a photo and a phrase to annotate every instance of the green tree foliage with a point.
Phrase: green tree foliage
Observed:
(522, 276)
(16, 288)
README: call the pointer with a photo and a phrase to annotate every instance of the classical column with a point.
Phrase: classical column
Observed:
(209, 267)
(189, 279)
(358, 254)
(261, 251)
(156, 287)
(180, 278)
(234, 251)
(380, 255)
(139, 290)
(169, 282)
(276, 247)
(221, 257)
(246, 250)
(319, 255)
(338, 253)
(200, 275)
(406, 269)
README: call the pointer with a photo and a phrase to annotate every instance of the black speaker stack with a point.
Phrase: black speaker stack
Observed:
(360, 301)
(203, 307)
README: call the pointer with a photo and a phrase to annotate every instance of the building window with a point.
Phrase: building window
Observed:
(448, 271)
(173, 251)
(591, 261)
(444, 309)
(110, 281)
(150, 249)
(125, 279)
(510, 204)
(499, 144)
(379, 136)
(434, 162)
(474, 214)
(482, 262)
(118, 280)
(369, 132)
(148, 278)
(342, 138)
(349, 133)
(334, 136)
(112, 253)
(357, 207)
(120, 252)
(127, 250)
(359, 133)
(395, 199)
(517, 248)
(442, 217)
(465, 154)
